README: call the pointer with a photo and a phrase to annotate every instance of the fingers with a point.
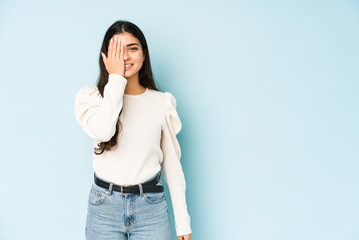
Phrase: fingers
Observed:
(113, 46)
(104, 58)
(118, 47)
(122, 52)
(185, 237)
(110, 47)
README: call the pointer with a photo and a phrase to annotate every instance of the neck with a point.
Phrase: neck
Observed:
(133, 86)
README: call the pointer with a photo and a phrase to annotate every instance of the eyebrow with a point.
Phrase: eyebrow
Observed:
(128, 45)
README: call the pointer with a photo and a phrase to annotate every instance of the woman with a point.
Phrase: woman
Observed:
(133, 126)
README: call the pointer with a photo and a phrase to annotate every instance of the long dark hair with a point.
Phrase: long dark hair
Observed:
(145, 73)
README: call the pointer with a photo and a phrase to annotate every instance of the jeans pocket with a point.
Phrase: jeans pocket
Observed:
(155, 197)
(97, 195)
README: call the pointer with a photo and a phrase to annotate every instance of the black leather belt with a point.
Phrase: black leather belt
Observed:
(134, 189)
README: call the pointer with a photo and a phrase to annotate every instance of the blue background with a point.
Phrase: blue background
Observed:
(267, 92)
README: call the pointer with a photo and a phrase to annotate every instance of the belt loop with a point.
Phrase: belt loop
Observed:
(141, 190)
(110, 188)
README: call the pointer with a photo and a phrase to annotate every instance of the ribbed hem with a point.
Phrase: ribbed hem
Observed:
(182, 233)
(116, 76)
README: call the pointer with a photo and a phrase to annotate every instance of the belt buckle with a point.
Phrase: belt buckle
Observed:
(121, 189)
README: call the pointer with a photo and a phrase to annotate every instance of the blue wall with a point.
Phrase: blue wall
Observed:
(267, 92)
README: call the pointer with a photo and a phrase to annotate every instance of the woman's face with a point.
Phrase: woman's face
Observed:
(133, 54)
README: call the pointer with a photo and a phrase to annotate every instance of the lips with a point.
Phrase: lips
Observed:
(127, 66)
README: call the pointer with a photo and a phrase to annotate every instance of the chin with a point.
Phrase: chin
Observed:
(130, 74)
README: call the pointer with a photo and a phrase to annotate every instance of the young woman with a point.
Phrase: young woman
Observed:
(133, 127)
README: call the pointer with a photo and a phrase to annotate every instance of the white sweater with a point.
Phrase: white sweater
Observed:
(146, 142)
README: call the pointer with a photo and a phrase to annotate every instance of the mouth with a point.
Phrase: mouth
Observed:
(128, 66)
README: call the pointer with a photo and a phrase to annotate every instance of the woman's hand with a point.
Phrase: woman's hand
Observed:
(184, 237)
(114, 62)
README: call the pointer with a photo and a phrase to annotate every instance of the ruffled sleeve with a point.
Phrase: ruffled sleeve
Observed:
(98, 115)
(172, 168)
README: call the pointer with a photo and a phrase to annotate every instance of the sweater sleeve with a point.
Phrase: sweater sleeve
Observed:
(172, 168)
(98, 115)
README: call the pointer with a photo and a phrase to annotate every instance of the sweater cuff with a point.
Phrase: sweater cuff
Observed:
(117, 77)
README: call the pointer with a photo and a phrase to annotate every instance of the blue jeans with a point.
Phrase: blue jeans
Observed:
(112, 215)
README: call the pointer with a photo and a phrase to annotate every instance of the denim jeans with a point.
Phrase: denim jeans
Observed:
(112, 215)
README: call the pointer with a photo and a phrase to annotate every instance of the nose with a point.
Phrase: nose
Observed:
(125, 55)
